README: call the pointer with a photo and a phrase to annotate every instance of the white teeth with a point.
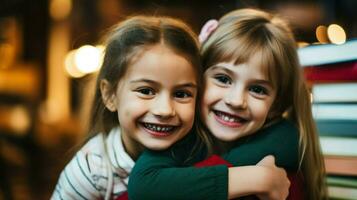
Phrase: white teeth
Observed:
(228, 118)
(158, 128)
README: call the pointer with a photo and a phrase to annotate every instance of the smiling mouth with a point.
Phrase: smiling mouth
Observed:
(228, 119)
(159, 129)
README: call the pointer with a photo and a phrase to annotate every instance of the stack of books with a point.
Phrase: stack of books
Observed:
(331, 71)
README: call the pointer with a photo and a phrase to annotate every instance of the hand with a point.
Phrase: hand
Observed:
(275, 183)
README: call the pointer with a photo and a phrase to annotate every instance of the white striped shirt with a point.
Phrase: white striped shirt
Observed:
(87, 176)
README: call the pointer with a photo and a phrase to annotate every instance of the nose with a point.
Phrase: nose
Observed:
(163, 106)
(236, 98)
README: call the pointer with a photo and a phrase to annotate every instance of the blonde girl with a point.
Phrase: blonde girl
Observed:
(249, 38)
(255, 102)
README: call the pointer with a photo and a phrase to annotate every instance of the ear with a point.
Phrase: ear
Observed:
(109, 98)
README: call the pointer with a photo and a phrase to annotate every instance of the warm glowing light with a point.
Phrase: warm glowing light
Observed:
(302, 44)
(19, 119)
(60, 9)
(71, 67)
(321, 34)
(336, 34)
(88, 59)
(101, 48)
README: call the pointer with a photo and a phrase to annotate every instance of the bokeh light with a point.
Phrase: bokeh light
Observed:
(336, 34)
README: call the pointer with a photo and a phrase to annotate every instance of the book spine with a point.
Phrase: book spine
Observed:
(339, 146)
(328, 53)
(334, 93)
(342, 193)
(340, 128)
(334, 72)
(334, 111)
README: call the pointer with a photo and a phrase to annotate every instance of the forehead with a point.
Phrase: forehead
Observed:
(256, 61)
(159, 62)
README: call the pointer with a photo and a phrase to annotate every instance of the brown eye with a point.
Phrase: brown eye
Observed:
(182, 94)
(146, 91)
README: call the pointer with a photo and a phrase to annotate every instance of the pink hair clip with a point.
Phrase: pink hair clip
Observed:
(207, 29)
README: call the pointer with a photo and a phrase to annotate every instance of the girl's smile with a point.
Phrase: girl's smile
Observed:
(159, 130)
(227, 119)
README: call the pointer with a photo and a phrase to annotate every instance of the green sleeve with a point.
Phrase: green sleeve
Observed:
(158, 175)
(280, 140)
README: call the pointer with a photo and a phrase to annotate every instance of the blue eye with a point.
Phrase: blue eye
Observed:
(182, 94)
(224, 79)
(146, 91)
(257, 89)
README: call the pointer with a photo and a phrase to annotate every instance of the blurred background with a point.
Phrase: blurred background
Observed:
(50, 49)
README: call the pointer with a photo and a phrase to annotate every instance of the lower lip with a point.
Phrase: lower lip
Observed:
(225, 123)
(157, 134)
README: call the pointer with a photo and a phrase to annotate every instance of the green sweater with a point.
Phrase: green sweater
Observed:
(167, 175)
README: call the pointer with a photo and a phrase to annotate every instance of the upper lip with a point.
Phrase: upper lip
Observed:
(160, 124)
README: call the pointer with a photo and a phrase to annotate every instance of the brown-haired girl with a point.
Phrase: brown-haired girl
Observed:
(145, 97)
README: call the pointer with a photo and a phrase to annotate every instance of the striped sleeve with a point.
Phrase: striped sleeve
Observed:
(77, 180)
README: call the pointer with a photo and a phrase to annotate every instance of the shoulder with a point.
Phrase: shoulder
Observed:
(84, 175)
(283, 138)
(283, 126)
(284, 130)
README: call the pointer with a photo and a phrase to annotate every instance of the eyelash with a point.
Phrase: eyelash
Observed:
(223, 79)
(146, 91)
(185, 93)
(261, 90)
(177, 94)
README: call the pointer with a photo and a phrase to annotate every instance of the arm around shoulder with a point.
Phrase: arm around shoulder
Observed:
(280, 140)
(157, 175)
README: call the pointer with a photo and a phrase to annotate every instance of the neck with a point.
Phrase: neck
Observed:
(132, 147)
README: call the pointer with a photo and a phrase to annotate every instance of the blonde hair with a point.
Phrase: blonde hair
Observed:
(243, 33)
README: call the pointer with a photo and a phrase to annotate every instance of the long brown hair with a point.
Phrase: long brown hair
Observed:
(243, 33)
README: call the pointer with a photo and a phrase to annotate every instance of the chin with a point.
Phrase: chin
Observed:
(224, 137)
(157, 147)
(227, 136)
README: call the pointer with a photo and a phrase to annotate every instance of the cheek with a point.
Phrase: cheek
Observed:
(208, 93)
(131, 107)
(261, 110)
(186, 112)
(211, 95)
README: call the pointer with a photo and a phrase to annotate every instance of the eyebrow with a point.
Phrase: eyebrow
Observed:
(189, 84)
(264, 82)
(219, 67)
(144, 80)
